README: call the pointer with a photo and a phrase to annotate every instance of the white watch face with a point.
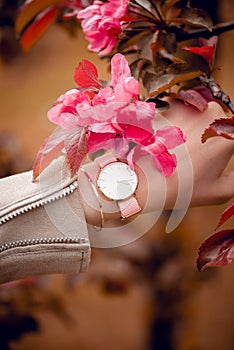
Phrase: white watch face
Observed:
(117, 181)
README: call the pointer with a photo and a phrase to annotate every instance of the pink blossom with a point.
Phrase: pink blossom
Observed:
(157, 147)
(74, 7)
(66, 110)
(170, 136)
(135, 120)
(101, 23)
(124, 85)
(113, 116)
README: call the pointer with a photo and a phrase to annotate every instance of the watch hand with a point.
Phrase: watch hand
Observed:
(123, 181)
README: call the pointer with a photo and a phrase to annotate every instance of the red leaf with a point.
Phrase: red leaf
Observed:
(205, 93)
(49, 151)
(207, 52)
(220, 127)
(32, 8)
(217, 250)
(227, 213)
(86, 75)
(195, 99)
(76, 148)
(41, 23)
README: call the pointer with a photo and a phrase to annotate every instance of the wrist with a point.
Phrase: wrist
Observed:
(153, 192)
(96, 208)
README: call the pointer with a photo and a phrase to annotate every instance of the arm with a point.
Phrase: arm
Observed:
(55, 236)
(42, 225)
(210, 183)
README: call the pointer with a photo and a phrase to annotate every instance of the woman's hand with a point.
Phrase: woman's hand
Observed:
(203, 165)
(211, 183)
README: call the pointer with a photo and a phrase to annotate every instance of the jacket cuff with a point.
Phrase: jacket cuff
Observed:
(42, 228)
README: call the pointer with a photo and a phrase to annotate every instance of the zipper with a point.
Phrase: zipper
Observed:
(35, 241)
(51, 198)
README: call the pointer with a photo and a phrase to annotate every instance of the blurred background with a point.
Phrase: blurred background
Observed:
(146, 295)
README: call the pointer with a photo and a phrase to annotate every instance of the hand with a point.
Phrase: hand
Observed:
(211, 184)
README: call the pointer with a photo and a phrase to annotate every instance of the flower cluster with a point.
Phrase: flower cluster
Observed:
(101, 24)
(110, 117)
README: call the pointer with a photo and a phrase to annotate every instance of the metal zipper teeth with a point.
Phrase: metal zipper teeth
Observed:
(35, 241)
(51, 198)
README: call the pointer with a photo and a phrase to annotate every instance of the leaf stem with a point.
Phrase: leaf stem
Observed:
(134, 4)
(157, 11)
(142, 17)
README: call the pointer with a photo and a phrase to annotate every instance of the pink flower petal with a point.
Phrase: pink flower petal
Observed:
(119, 69)
(101, 113)
(164, 161)
(171, 136)
(135, 153)
(97, 141)
(102, 128)
(137, 117)
(137, 134)
(121, 146)
(104, 96)
(127, 90)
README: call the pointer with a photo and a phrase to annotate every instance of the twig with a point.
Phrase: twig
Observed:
(217, 91)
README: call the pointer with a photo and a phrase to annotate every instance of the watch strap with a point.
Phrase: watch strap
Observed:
(129, 207)
(105, 159)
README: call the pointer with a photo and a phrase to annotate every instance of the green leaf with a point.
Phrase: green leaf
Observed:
(31, 9)
(197, 62)
(164, 43)
(133, 40)
(176, 73)
(137, 66)
(167, 5)
(194, 17)
(144, 44)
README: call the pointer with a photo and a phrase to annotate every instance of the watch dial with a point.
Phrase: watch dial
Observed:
(117, 181)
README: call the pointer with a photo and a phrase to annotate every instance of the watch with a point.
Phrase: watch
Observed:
(117, 181)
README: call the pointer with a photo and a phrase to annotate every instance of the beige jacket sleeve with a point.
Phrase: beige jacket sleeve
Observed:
(42, 225)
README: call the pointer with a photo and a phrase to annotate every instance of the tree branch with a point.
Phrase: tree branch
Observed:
(217, 91)
(203, 32)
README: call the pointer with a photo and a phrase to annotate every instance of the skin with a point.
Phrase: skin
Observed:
(212, 184)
